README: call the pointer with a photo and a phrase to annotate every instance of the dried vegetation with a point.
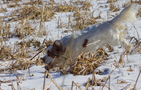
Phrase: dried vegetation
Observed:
(136, 1)
(87, 63)
(83, 20)
(32, 13)
(65, 8)
(2, 10)
(114, 8)
(111, 1)
(136, 43)
(5, 31)
(21, 56)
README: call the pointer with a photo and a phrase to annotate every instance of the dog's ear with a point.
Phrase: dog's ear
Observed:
(57, 47)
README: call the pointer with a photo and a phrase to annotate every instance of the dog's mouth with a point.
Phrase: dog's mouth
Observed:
(47, 63)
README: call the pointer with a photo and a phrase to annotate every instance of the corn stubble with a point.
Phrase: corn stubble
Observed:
(87, 63)
(22, 57)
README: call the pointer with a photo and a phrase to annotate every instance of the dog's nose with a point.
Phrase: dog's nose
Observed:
(43, 59)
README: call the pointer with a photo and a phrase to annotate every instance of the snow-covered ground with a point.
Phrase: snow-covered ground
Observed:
(123, 75)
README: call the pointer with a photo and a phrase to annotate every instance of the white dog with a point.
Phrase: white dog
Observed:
(92, 37)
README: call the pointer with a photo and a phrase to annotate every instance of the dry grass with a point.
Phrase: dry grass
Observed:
(32, 42)
(136, 1)
(9, 1)
(20, 64)
(137, 44)
(87, 63)
(73, 6)
(34, 2)
(11, 5)
(2, 10)
(23, 29)
(83, 20)
(111, 1)
(32, 13)
(4, 53)
(84, 5)
(65, 8)
(9, 53)
(46, 12)
(21, 56)
(82, 17)
(20, 61)
(94, 82)
(99, 82)
(5, 33)
(114, 8)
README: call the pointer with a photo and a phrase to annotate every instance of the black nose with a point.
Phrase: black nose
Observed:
(43, 59)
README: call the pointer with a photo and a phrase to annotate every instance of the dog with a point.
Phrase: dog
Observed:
(112, 32)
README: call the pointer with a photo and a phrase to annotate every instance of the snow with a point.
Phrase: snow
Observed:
(36, 78)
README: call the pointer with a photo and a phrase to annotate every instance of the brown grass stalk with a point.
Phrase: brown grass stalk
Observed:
(44, 83)
(12, 86)
(72, 86)
(105, 84)
(47, 88)
(111, 1)
(53, 80)
(36, 54)
(88, 84)
(18, 86)
(109, 82)
(77, 85)
(137, 80)
(0, 85)
(125, 87)
(9, 53)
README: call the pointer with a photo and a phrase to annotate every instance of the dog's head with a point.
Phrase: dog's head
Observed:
(52, 51)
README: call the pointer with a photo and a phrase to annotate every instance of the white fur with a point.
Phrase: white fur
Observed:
(101, 33)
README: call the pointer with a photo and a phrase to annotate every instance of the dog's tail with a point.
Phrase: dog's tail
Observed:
(127, 14)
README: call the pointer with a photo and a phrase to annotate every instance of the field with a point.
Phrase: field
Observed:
(27, 27)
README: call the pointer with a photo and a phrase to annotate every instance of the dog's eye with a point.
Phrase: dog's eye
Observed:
(58, 49)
